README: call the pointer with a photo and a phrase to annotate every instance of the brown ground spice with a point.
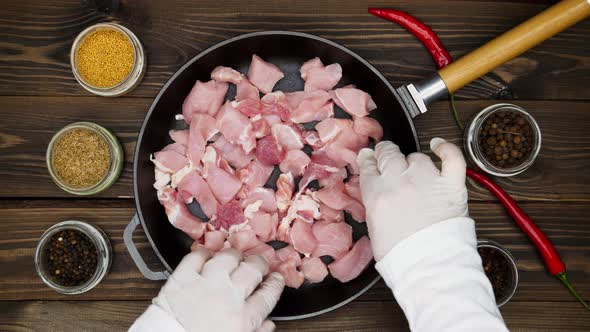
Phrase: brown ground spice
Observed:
(105, 58)
(81, 158)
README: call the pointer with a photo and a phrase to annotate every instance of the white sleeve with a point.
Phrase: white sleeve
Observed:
(155, 319)
(437, 278)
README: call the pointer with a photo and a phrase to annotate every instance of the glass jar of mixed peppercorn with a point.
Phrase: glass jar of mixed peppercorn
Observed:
(72, 257)
(500, 267)
(503, 140)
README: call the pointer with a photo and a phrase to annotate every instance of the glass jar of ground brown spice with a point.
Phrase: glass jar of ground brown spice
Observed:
(72, 256)
(84, 158)
(503, 140)
(107, 59)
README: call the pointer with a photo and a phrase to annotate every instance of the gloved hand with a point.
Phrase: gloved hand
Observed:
(222, 293)
(404, 195)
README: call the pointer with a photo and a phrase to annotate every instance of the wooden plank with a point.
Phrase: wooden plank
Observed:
(560, 173)
(356, 316)
(23, 222)
(36, 40)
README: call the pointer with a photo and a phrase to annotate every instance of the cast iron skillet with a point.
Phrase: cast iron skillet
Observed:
(287, 50)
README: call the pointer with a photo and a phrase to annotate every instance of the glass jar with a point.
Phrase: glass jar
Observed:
(115, 165)
(511, 265)
(473, 149)
(103, 250)
(135, 75)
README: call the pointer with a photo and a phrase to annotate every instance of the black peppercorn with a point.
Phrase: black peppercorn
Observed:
(504, 137)
(63, 263)
(497, 270)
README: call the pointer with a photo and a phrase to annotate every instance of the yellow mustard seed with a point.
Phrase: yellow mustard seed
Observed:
(81, 158)
(105, 58)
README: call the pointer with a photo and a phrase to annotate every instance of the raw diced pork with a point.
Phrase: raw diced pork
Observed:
(261, 223)
(293, 277)
(243, 240)
(334, 238)
(236, 128)
(178, 214)
(353, 189)
(192, 186)
(169, 161)
(323, 78)
(268, 151)
(266, 195)
(204, 98)
(264, 75)
(289, 137)
(313, 269)
(354, 101)
(229, 215)
(214, 240)
(285, 187)
(354, 262)
(302, 237)
(309, 65)
(366, 126)
(263, 250)
(255, 174)
(295, 162)
(224, 185)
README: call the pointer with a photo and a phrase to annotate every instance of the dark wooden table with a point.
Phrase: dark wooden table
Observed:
(38, 96)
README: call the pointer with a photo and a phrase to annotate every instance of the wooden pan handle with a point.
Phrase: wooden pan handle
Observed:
(514, 42)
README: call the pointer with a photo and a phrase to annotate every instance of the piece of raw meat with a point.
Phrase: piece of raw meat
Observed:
(261, 223)
(226, 74)
(202, 128)
(353, 189)
(179, 215)
(329, 214)
(255, 174)
(313, 269)
(234, 154)
(260, 126)
(162, 179)
(334, 197)
(224, 185)
(295, 162)
(312, 138)
(179, 136)
(366, 126)
(334, 238)
(264, 75)
(284, 254)
(176, 147)
(204, 98)
(243, 240)
(248, 107)
(214, 240)
(323, 78)
(289, 137)
(302, 237)
(229, 216)
(293, 277)
(285, 187)
(354, 101)
(266, 195)
(354, 262)
(192, 186)
(236, 128)
(169, 161)
(309, 65)
(263, 250)
(310, 107)
(268, 151)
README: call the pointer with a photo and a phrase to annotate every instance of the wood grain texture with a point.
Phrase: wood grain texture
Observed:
(28, 123)
(357, 316)
(23, 222)
(36, 40)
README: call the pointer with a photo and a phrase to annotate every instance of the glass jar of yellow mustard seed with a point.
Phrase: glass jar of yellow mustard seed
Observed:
(84, 158)
(107, 59)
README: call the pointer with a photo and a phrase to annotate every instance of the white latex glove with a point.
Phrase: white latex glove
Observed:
(223, 293)
(404, 195)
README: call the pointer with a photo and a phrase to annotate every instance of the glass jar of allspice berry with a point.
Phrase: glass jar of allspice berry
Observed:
(502, 140)
(72, 257)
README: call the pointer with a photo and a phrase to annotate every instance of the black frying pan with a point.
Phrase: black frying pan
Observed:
(289, 50)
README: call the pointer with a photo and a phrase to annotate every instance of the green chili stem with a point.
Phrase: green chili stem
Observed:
(563, 278)
(455, 112)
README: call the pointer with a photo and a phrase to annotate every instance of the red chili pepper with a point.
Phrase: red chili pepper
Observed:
(420, 30)
(442, 58)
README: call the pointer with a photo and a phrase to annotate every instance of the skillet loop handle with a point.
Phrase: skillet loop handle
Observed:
(132, 249)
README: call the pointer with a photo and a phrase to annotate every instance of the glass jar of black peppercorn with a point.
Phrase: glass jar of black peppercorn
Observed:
(72, 257)
(503, 140)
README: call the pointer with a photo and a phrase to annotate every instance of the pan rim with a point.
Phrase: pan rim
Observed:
(198, 57)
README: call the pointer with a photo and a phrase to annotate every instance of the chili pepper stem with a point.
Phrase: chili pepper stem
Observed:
(562, 276)
(455, 113)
